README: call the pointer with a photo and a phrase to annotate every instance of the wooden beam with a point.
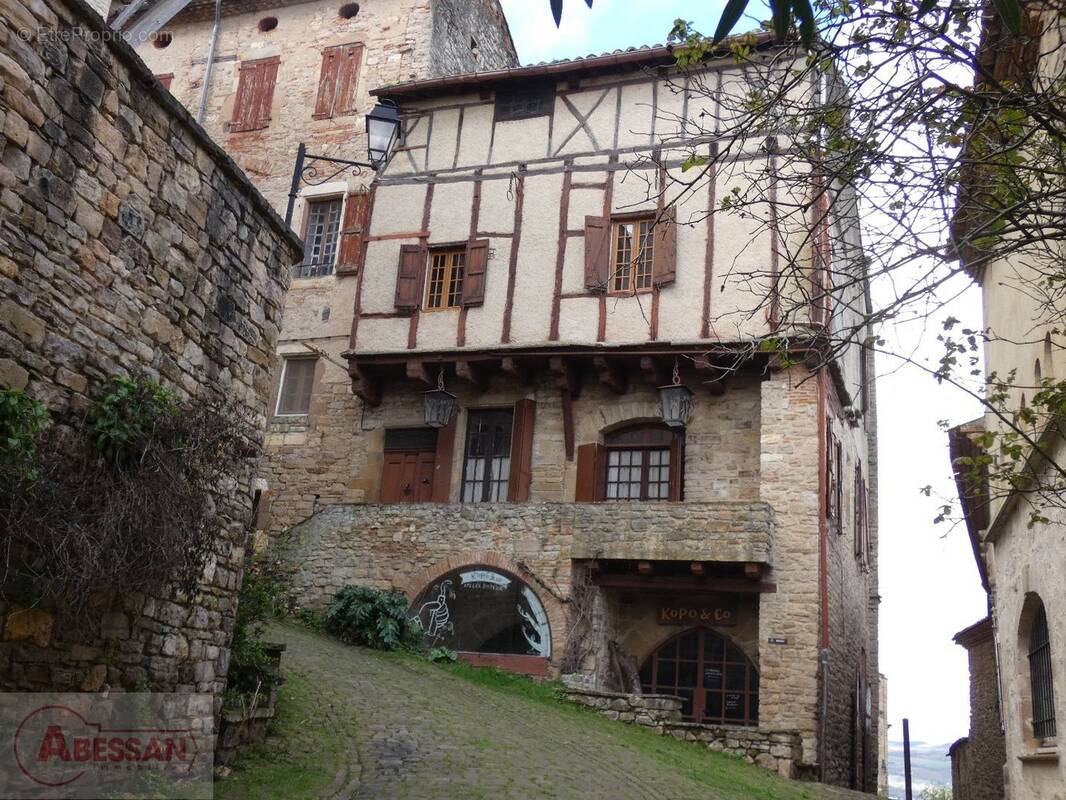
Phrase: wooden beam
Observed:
(654, 374)
(612, 374)
(708, 586)
(418, 371)
(753, 571)
(715, 376)
(363, 386)
(518, 369)
(473, 374)
(567, 375)
(568, 424)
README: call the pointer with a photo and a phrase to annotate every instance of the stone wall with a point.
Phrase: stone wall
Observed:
(470, 36)
(775, 750)
(977, 760)
(130, 243)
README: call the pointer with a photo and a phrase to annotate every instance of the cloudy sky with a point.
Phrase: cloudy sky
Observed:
(929, 584)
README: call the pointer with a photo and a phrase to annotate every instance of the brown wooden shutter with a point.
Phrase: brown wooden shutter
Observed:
(442, 470)
(255, 93)
(677, 467)
(474, 273)
(664, 249)
(597, 253)
(590, 458)
(327, 83)
(347, 99)
(166, 80)
(525, 412)
(409, 276)
(350, 248)
(830, 490)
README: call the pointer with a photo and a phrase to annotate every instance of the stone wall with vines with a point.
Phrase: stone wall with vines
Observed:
(130, 244)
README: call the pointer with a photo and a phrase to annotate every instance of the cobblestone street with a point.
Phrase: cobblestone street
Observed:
(421, 732)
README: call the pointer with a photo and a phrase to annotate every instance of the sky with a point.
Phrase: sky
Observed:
(929, 583)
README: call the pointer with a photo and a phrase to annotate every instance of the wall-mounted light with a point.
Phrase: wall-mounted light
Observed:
(675, 401)
(382, 131)
(437, 404)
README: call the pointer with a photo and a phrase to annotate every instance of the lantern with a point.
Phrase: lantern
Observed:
(675, 402)
(382, 131)
(438, 405)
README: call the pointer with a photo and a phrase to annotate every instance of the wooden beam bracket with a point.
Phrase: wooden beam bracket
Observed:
(611, 373)
(473, 374)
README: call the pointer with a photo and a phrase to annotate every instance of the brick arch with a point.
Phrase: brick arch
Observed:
(630, 412)
(746, 649)
(554, 608)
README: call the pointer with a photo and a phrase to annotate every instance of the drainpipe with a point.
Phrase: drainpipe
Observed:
(210, 64)
(823, 659)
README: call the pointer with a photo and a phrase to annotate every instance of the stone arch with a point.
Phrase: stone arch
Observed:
(554, 607)
(629, 412)
(1032, 608)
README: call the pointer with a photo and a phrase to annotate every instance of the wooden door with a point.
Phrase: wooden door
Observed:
(408, 476)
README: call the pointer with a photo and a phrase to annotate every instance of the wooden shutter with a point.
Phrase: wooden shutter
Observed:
(590, 460)
(327, 83)
(525, 412)
(664, 250)
(350, 248)
(830, 488)
(474, 274)
(597, 253)
(166, 80)
(347, 99)
(442, 469)
(409, 276)
(255, 93)
(677, 467)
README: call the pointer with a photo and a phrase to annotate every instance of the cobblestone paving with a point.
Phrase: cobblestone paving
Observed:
(426, 734)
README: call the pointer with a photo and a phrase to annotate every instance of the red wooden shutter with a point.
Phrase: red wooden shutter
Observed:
(350, 248)
(590, 458)
(830, 489)
(677, 467)
(409, 276)
(347, 99)
(166, 80)
(255, 93)
(525, 412)
(474, 273)
(597, 253)
(442, 470)
(664, 249)
(327, 83)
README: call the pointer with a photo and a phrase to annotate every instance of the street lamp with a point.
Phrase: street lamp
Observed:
(382, 130)
(382, 133)
(675, 402)
(437, 404)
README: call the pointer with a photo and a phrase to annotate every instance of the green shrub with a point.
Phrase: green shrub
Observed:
(262, 597)
(124, 420)
(372, 618)
(21, 421)
(311, 619)
(442, 655)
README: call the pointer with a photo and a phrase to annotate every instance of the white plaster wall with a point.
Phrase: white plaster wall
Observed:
(535, 278)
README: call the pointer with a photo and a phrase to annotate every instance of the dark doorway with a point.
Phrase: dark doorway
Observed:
(717, 683)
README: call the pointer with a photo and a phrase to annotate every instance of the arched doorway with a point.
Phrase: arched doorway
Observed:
(481, 609)
(717, 683)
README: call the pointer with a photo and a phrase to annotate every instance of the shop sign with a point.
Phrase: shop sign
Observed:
(722, 611)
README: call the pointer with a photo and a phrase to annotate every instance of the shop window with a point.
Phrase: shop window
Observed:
(410, 458)
(480, 609)
(297, 378)
(321, 232)
(717, 683)
(487, 456)
(642, 463)
(1040, 676)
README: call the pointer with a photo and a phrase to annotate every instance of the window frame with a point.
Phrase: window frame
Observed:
(674, 472)
(647, 238)
(309, 202)
(452, 252)
(285, 361)
(486, 484)
(1042, 691)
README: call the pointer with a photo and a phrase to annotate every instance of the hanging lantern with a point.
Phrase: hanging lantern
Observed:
(438, 405)
(675, 402)
(382, 131)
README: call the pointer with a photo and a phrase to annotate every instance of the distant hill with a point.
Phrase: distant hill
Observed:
(930, 766)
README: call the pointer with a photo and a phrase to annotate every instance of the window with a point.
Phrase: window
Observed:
(834, 478)
(524, 103)
(642, 463)
(716, 682)
(1040, 676)
(631, 255)
(444, 286)
(321, 231)
(297, 377)
(338, 81)
(861, 520)
(487, 463)
(255, 94)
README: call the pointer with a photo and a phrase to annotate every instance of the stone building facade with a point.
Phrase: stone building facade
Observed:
(129, 242)
(741, 574)
(1023, 564)
(977, 759)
